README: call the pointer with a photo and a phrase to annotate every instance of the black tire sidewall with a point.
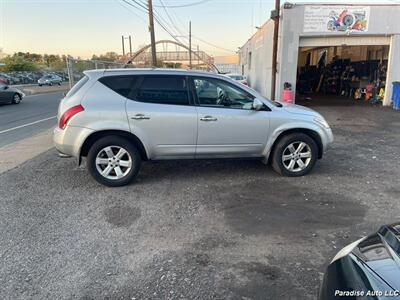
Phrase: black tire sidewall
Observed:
(19, 100)
(281, 146)
(116, 141)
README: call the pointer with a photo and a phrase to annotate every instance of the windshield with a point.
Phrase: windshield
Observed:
(236, 77)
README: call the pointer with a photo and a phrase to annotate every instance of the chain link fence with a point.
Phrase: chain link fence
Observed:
(76, 67)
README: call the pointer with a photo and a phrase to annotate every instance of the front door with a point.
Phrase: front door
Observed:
(162, 116)
(227, 124)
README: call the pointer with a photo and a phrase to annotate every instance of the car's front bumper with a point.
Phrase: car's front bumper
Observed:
(69, 141)
(327, 139)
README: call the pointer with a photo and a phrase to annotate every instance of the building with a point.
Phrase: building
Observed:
(333, 48)
(227, 64)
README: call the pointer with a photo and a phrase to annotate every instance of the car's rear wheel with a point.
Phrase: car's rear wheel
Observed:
(16, 99)
(113, 161)
(294, 155)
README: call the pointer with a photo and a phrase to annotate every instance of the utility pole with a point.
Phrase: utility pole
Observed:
(123, 46)
(130, 46)
(198, 56)
(275, 16)
(190, 44)
(151, 29)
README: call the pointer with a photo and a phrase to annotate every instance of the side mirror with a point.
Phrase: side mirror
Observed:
(257, 104)
(6, 87)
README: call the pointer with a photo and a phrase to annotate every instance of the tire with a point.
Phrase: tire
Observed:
(112, 162)
(348, 21)
(16, 99)
(50, 84)
(59, 83)
(40, 84)
(283, 157)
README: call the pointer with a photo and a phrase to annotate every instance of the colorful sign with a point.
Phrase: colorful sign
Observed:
(344, 19)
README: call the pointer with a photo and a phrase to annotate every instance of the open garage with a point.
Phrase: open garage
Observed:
(351, 72)
(329, 53)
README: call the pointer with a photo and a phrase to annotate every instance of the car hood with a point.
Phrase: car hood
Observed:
(380, 252)
(298, 109)
(14, 89)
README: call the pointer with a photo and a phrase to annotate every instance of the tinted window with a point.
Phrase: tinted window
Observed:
(163, 90)
(122, 85)
(218, 93)
(77, 86)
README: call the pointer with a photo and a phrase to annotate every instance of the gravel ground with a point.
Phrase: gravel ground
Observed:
(197, 229)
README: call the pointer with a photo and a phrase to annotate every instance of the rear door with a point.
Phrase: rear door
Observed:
(161, 114)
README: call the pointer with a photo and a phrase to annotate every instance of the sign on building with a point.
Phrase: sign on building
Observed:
(336, 18)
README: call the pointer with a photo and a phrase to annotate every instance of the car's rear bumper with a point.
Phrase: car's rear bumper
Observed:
(69, 141)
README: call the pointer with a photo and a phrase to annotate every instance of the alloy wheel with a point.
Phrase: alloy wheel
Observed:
(16, 99)
(113, 162)
(296, 156)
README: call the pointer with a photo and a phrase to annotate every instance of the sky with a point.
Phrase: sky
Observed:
(87, 27)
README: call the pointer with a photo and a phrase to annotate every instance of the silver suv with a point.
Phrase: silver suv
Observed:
(118, 118)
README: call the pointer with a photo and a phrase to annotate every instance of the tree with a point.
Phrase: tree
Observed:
(109, 56)
(18, 63)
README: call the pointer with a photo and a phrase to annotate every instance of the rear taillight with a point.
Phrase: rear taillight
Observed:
(69, 114)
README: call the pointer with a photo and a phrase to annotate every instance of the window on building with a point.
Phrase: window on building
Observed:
(249, 62)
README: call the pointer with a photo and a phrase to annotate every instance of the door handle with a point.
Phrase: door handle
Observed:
(140, 117)
(208, 119)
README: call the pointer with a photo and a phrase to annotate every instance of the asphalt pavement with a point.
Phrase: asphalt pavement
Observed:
(197, 229)
(34, 114)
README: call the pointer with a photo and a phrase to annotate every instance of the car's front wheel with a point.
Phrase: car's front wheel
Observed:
(16, 99)
(113, 161)
(294, 155)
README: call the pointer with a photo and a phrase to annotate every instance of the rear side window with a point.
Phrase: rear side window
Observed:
(122, 85)
(77, 86)
(163, 90)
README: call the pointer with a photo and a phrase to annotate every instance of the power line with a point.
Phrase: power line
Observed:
(170, 18)
(185, 34)
(215, 46)
(144, 9)
(184, 5)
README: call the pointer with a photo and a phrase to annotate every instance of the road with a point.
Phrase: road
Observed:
(197, 229)
(33, 115)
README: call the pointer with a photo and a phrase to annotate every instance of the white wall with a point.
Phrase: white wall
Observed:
(393, 73)
(258, 71)
(384, 21)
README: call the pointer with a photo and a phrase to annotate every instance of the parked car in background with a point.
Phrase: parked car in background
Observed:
(117, 118)
(10, 94)
(5, 79)
(370, 264)
(238, 77)
(50, 79)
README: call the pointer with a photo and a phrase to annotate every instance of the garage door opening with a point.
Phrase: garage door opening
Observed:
(342, 75)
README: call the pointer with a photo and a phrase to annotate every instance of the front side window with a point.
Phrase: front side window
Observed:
(217, 93)
(163, 90)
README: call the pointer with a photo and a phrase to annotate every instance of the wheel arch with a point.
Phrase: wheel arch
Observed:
(92, 138)
(311, 133)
